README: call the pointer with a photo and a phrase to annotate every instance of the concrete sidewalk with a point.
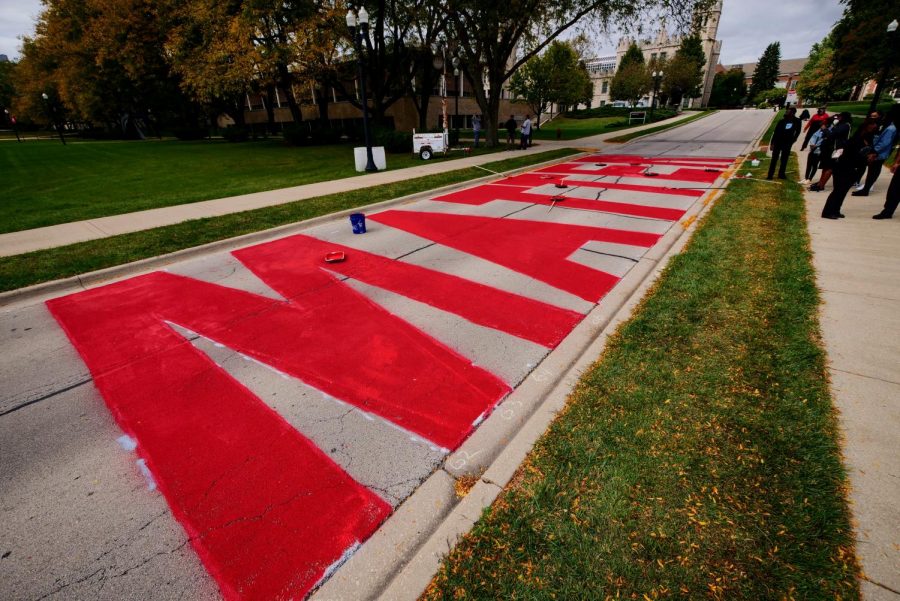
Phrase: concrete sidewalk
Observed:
(92, 229)
(857, 262)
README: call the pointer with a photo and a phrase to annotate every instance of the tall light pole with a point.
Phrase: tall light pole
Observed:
(51, 112)
(359, 30)
(456, 95)
(440, 64)
(657, 78)
(888, 63)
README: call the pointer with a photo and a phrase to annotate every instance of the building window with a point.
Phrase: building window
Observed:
(604, 88)
(653, 57)
(662, 56)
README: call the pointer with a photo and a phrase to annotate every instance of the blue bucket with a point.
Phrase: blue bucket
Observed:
(358, 221)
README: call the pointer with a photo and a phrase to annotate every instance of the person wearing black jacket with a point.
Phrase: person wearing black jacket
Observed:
(855, 153)
(840, 133)
(786, 133)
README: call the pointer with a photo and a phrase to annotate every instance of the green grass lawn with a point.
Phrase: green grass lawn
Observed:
(860, 108)
(572, 129)
(659, 128)
(699, 457)
(47, 183)
(44, 265)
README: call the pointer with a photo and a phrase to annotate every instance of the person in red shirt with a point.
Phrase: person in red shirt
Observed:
(813, 125)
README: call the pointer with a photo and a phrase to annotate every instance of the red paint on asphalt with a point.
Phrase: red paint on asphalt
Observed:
(485, 193)
(266, 510)
(636, 171)
(533, 180)
(291, 264)
(534, 248)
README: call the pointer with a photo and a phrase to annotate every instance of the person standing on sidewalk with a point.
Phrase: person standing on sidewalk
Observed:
(883, 144)
(814, 125)
(526, 132)
(840, 133)
(854, 153)
(786, 133)
(510, 126)
(476, 128)
(893, 194)
(815, 153)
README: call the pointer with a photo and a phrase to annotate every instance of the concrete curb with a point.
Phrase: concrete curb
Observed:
(384, 569)
(46, 290)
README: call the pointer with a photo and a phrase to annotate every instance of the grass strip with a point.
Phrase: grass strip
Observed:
(18, 271)
(699, 457)
(653, 130)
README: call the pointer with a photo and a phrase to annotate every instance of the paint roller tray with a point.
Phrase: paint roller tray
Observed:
(335, 256)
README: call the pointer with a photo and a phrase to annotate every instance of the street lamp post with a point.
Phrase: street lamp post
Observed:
(456, 96)
(657, 78)
(891, 43)
(51, 112)
(358, 23)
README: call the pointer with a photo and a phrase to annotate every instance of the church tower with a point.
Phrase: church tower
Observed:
(706, 25)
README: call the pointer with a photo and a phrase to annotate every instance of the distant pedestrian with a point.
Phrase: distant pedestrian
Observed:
(883, 143)
(804, 116)
(815, 153)
(893, 194)
(786, 133)
(476, 128)
(812, 126)
(851, 155)
(510, 126)
(832, 148)
(526, 132)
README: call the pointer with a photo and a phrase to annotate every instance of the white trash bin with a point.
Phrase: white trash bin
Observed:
(359, 155)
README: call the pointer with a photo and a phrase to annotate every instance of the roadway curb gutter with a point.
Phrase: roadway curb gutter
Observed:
(401, 558)
(76, 283)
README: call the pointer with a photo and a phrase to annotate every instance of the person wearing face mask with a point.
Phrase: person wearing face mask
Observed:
(832, 148)
(883, 143)
(813, 125)
(854, 153)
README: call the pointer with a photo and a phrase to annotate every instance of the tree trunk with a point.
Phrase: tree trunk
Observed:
(322, 102)
(270, 109)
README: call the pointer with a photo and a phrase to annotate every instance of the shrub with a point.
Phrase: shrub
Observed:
(296, 134)
(393, 141)
(235, 133)
(320, 136)
(190, 132)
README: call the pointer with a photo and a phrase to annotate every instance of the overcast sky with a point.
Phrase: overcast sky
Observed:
(747, 27)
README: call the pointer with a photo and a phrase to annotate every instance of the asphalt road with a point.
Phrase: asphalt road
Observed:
(240, 423)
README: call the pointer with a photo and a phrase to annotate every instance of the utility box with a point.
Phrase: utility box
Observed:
(359, 155)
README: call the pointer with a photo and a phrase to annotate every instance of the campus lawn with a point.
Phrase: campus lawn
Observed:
(699, 457)
(26, 269)
(857, 108)
(46, 183)
(571, 129)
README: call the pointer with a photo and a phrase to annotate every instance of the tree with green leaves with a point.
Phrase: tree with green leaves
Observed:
(632, 79)
(684, 73)
(729, 88)
(863, 49)
(766, 73)
(818, 80)
(556, 76)
(497, 38)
